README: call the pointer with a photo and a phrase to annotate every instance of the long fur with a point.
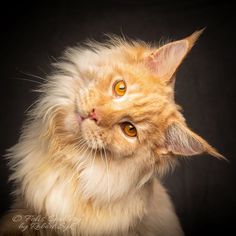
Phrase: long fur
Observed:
(90, 177)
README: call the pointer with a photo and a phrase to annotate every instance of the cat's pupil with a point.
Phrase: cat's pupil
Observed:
(119, 88)
(129, 129)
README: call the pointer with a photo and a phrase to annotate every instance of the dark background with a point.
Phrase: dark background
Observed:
(202, 188)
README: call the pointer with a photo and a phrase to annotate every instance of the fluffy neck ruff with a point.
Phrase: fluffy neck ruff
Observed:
(107, 195)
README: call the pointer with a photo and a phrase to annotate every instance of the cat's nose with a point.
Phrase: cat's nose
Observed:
(93, 115)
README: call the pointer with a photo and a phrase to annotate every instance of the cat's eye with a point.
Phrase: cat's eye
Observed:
(119, 88)
(129, 129)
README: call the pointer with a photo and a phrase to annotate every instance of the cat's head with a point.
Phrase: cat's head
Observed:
(119, 98)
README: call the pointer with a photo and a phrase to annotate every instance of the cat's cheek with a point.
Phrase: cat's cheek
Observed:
(72, 123)
(122, 146)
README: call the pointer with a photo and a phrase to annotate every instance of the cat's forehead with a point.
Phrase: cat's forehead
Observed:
(120, 62)
(142, 102)
(147, 85)
(137, 79)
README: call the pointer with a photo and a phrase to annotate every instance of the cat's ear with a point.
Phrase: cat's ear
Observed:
(165, 60)
(180, 140)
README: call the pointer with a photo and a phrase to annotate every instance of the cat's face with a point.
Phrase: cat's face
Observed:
(122, 110)
(123, 102)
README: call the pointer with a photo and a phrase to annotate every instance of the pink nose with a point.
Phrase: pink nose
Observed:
(93, 115)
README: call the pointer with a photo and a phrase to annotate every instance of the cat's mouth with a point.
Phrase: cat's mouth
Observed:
(90, 132)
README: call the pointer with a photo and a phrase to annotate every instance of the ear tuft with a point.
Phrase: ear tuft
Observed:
(192, 39)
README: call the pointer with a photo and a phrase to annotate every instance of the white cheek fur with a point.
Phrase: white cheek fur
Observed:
(71, 123)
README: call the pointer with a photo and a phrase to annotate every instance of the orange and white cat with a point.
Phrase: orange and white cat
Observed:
(104, 128)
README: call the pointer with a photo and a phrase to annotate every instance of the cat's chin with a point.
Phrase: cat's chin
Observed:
(90, 133)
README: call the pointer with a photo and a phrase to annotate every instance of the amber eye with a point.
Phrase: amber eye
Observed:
(119, 88)
(129, 129)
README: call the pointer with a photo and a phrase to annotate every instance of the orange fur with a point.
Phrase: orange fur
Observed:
(90, 171)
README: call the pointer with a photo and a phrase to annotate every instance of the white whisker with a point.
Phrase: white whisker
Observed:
(85, 148)
(34, 76)
(29, 80)
(30, 106)
(92, 164)
(108, 178)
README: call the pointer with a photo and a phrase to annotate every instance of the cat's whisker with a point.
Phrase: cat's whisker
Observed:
(94, 156)
(79, 150)
(29, 80)
(34, 76)
(91, 151)
(101, 155)
(82, 162)
(81, 141)
(82, 145)
(108, 179)
(30, 106)
(84, 149)
(70, 179)
(53, 58)
(77, 165)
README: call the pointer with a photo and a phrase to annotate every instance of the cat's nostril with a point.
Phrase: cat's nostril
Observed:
(93, 115)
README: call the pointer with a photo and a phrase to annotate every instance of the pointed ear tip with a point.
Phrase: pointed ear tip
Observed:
(218, 155)
(192, 39)
(223, 158)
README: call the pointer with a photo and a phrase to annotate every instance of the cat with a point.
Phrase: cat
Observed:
(96, 143)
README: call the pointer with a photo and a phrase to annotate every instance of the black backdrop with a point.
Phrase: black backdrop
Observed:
(203, 188)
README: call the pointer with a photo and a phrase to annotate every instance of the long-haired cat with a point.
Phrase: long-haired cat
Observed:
(104, 128)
